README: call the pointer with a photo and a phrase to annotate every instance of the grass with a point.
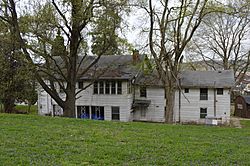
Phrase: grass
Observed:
(36, 140)
(25, 108)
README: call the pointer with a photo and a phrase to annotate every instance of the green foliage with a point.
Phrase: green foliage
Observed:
(15, 73)
(58, 48)
(35, 140)
(148, 66)
(105, 32)
(25, 108)
(42, 22)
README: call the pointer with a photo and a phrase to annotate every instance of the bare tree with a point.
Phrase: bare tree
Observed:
(172, 26)
(221, 41)
(71, 19)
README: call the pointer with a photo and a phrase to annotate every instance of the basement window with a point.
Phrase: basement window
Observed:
(115, 113)
(203, 113)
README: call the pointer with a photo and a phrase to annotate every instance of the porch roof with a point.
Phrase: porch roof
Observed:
(141, 102)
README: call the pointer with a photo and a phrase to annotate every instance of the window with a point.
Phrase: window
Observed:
(143, 91)
(95, 87)
(186, 90)
(80, 85)
(219, 91)
(113, 87)
(115, 113)
(203, 94)
(203, 113)
(119, 87)
(97, 112)
(101, 87)
(83, 112)
(107, 87)
(129, 88)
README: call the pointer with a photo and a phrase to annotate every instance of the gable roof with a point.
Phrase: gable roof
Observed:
(192, 79)
(148, 79)
(207, 79)
(112, 67)
(123, 67)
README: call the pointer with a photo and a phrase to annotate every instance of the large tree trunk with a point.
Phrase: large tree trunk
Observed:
(69, 104)
(170, 101)
(69, 109)
(8, 104)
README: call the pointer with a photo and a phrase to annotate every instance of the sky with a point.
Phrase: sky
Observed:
(137, 23)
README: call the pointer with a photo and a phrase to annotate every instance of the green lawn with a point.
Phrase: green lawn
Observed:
(36, 140)
(25, 108)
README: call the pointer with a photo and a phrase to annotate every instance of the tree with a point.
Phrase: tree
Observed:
(220, 40)
(70, 19)
(15, 76)
(171, 29)
(106, 27)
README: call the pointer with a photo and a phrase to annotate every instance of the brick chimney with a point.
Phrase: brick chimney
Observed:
(135, 56)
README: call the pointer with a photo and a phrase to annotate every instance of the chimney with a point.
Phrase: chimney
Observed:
(135, 56)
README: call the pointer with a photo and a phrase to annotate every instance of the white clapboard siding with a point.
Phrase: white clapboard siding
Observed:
(155, 111)
(189, 112)
(190, 107)
(44, 102)
(123, 101)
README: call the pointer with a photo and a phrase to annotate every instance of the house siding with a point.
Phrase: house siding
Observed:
(123, 101)
(189, 112)
(87, 98)
(44, 102)
(155, 111)
(191, 104)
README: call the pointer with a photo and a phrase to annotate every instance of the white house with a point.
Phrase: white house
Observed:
(123, 92)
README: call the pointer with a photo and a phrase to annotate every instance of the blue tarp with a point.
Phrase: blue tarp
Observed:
(85, 116)
(97, 117)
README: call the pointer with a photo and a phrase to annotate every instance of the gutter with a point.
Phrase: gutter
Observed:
(215, 100)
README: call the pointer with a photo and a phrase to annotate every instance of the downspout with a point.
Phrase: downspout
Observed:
(52, 114)
(133, 86)
(47, 96)
(76, 112)
(214, 100)
(180, 101)
(133, 95)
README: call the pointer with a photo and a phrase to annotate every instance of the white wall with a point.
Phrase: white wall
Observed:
(44, 102)
(124, 101)
(190, 111)
(155, 111)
